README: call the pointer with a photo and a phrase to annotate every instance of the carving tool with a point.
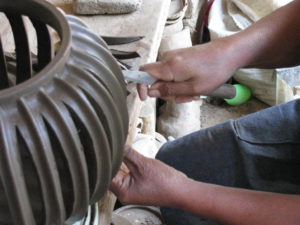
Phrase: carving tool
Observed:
(120, 40)
(233, 94)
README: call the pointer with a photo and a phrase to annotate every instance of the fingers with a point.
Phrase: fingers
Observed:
(162, 91)
(129, 159)
(129, 170)
(184, 99)
(117, 181)
(124, 168)
(158, 70)
(142, 91)
(133, 160)
(165, 89)
(173, 80)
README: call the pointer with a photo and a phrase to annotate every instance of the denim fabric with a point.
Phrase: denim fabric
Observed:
(260, 151)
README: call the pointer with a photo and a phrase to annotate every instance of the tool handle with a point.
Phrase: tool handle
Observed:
(233, 94)
(242, 94)
(225, 91)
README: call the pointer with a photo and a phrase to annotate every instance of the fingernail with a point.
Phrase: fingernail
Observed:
(154, 93)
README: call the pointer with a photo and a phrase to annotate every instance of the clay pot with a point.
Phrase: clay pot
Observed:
(138, 215)
(63, 118)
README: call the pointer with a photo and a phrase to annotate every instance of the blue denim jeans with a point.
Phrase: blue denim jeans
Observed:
(260, 151)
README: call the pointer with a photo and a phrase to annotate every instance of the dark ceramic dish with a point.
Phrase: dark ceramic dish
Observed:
(63, 121)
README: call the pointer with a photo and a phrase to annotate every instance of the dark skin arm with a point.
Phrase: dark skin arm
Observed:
(272, 42)
(150, 182)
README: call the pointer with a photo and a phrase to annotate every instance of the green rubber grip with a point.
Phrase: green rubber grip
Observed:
(242, 95)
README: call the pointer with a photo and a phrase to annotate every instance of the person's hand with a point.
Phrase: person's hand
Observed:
(147, 181)
(185, 74)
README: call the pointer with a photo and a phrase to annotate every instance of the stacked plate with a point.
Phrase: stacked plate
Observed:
(63, 118)
(137, 215)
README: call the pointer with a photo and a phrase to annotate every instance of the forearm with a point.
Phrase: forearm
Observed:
(272, 42)
(238, 206)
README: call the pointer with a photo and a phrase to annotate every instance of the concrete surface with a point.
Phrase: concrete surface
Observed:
(149, 22)
(92, 7)
(179, 119)
(214, 114)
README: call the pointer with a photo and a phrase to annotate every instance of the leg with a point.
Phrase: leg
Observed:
(208, 155)
(251, 152)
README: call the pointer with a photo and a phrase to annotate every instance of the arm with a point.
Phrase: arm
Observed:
(238, 206)
(151, 182)
(272, 42)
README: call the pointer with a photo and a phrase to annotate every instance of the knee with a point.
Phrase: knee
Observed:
(170, 153)
(163, 152)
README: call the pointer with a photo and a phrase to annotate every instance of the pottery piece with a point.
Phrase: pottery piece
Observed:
(179, 119)
(63, 120)
(119, 220)
(139, 215)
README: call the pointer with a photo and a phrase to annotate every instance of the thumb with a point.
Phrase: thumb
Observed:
(166, 89)
(159, 70)
(142, 91)
(117, 181)
(133, 160)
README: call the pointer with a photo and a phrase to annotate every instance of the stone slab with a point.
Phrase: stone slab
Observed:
(92, 7)
(149, 22)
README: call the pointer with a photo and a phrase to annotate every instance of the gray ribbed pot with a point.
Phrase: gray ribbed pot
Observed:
(63, 119)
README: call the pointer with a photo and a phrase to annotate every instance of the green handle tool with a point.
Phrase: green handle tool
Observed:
(233, 94)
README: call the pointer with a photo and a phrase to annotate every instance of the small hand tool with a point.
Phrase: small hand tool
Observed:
(120, 40)
(124, 55)
(233, 94)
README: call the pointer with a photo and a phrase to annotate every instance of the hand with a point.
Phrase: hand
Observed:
(147, 181)
(185, 74)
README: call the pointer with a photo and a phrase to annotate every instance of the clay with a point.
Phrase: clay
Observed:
(139, 215)
(179, 120)
(63, 120)
(148, 145)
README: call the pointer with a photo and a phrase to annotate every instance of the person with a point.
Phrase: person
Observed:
(244, 171)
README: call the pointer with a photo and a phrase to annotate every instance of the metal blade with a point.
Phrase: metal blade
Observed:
(120, 40)
(139, 77)
(124, 55)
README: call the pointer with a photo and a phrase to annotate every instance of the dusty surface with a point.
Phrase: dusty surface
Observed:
(93, 7)
(179, 119)
(148, 21)
(213, 114)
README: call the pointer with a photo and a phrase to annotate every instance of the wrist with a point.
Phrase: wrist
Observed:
(237, 53)
(195, 196)
(177, 193)
(184, 193)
